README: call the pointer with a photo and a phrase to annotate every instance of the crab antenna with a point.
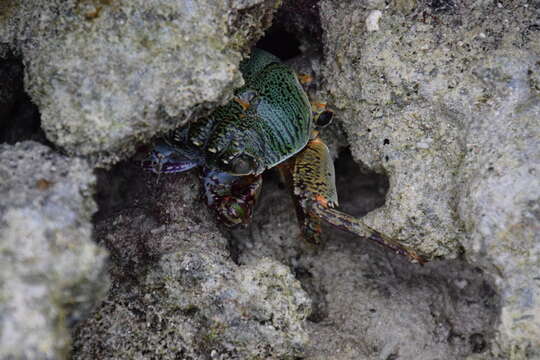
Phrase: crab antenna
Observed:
(358, 227)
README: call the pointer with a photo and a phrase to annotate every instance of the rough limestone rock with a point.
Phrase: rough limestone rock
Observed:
(443, 97)
(500, 199)
(51, 272)
(367, 302)
(107, 74)
(176, 291)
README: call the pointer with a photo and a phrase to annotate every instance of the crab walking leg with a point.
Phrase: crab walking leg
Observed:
(357, 226)
(310, 225)
(314, 184)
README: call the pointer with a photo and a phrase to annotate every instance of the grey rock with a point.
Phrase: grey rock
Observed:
(443, 98)
(500, 198)
(108, 75)
(367, 302)
(176, 291)
(51, 272)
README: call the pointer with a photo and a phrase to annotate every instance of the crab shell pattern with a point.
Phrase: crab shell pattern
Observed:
(269, 123)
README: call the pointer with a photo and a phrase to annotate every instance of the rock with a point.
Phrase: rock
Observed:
(176, 291)
(500, 197)
(108, 75)
(51, 272)
(367, 302)
(444, 100)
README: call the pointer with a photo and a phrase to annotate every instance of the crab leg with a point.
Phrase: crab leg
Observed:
(357, 226)
(314, 187)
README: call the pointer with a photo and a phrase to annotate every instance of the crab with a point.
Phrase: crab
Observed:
(270, 123)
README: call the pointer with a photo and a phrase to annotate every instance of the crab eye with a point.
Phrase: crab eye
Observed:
(324, 119)
(243, 165)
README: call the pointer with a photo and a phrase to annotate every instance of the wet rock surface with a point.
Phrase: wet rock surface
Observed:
(107, 75)
(51, 272)
(177, 292)
(443, 98)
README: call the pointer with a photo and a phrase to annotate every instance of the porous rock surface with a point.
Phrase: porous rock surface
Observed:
(367, 302)
(51, 272)
(177, 294)
(107, 75)
(444, 98)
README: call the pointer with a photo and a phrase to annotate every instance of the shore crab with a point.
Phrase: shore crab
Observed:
(269, 123)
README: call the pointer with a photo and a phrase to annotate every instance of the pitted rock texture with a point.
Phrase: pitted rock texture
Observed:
(176, 291)
(367, 302)
(107, 74)
(444, 99)
(500, 202)
(51, 272)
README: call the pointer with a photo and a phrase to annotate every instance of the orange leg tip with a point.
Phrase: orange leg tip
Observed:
(305, 78)
(318, 107)
(321, 200)
(245, 105)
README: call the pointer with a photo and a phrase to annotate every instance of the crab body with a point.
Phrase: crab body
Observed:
(269, 123)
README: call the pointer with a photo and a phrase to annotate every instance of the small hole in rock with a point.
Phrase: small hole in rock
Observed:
(279, 42)
(386, 142)
(369, 188)
(478, 343)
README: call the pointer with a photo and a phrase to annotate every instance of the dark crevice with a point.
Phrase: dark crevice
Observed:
(123, 197)
(295, 29)
(19, 117)
(319, 305)
(351, 178)
(116, 188)
(301, 17)
(280, 42)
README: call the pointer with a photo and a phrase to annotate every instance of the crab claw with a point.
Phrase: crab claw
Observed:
(232, 197)
(167, 159)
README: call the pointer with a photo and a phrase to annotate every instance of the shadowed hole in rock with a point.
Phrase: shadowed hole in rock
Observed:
(301, 18)
(441, 5)
(19, 116)
(352, 179)
(116, 188)
(478, 343)
(280, 42)
(123, 194)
